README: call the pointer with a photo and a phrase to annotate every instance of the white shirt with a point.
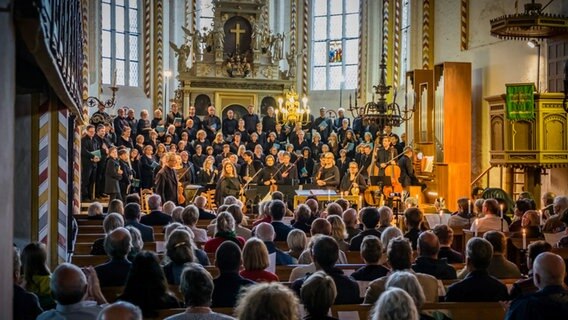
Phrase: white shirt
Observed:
(489, 223)
(84, 310)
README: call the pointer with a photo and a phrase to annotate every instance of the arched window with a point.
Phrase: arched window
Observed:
(335, 44)
(121, 42)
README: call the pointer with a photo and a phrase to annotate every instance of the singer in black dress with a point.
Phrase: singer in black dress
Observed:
(229, 184)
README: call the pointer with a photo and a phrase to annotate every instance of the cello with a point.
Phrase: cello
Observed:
(370, 194)
(393, 171)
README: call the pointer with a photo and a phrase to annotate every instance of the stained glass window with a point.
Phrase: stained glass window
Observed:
(120, 42)
(335, 44)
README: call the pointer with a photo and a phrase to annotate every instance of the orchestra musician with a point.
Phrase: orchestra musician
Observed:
(247, 168)
(327, 176)
(288, 171)
(208, 175)
(229, 183)
(407, 174)
(353, 182)
(385, 155)
(269, 174)
(166, 179)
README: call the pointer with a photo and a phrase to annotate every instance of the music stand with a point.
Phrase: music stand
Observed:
(381, 181)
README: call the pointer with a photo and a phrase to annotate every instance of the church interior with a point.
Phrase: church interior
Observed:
(450, 110)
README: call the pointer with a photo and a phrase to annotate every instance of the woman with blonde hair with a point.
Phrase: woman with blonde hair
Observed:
(338, 231)
(318, 294)
(208, 174)
(395, 304)
(255, 261)
(297, 242)
(179, 251)
(218, 143)
(328, 174)
(271, 301)
(229, 184)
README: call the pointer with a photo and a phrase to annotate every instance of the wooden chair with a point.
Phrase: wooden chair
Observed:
(112, 293)
(144, 195)
(354, 257)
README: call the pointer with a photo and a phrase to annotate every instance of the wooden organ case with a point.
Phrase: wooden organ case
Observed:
(441, 130)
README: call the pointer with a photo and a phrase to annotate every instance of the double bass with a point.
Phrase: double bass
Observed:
(392, 171)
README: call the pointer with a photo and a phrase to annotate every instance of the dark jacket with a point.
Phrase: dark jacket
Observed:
(113, 273)
(26, 304)
(112, 177)
(281, 230)
(478, 286)
(347, 288)
(167, 185)
(156, 218)
(355, 244)
(206, 215)
(548, 303)
(451, 255)
(146, 172)
(370, 273)
(226, 289)
(439, 268)
(146, 231)
(412, 235)
(282, 258)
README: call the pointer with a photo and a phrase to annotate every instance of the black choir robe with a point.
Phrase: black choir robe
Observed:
(329, 175)
(268, 172)
(227, 187)
(167, 184)
(346, 183)
(292, 176)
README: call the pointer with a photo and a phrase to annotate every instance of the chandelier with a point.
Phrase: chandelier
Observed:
(290, 111)
(381, 113)
(531, 24)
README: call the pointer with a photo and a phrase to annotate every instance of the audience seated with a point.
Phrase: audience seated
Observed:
(179, 251)
(370, 219)
(115, 206)
(428, 262)
(147, 287)
(323, 227)
(478, 285)
(413, 218)
(491, 219)
(120, 310)
(277, 211)
(237, 213)
(530, 223)
(445, 236)
(317, 295)
(521, 206)
(229, 283)
(462, 219)
(553, 223)
(264, 213)
(399, 255)
(224, 231)
(395, 304)
(351, 226)
(200, 255)
(526, 286)
(137, 245)
(95, 211)
(267, 301)
(256, 260)
(132, 218)
(500, 267)
(117, 246)
(176, 214)
(325, 253)
(197, 289)
(200, 202)
(168, 208)
(69, 287)
(156, 217)
(314, 209)
(25, 304)
(265, 232)
(551, 300)
(297, 243)
(36, 274)
(385, 218)
(338, 231)
(371, 253)
(409, 283)
(189, 217)
(112, 221)
(302, 218)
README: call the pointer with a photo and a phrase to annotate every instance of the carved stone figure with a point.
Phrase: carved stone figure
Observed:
(292, 64)
(182, 53)
(219, 37)
(278, 45)
(256, 36)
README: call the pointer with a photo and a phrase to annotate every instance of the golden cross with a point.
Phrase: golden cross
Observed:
(238, 31)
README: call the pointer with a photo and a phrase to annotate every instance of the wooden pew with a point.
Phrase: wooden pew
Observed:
(91, 237)
(83, 221)
(84, 248)
(283, 272)
(91, 260)
(354, 257)
(112, 293)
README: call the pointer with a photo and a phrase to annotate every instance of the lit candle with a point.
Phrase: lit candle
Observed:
(328, 195)
(475, 228)
(540, 216)
(501, 210)
(113, 82)
(469, 207)
(441, 216)
(524, 239)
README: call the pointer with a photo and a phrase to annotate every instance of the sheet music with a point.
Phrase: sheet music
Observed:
(272, 263)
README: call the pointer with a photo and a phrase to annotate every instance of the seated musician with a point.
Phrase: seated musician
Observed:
(407, 174)
(269, 174)
(327, 176)
(288, 171)
(385, 155)
(353, 182)
(248, 170)
(229, 184)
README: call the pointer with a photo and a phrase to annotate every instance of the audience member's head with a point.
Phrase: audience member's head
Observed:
(297, 240)
(229, 200)
(388, 234)
(498, 241)
(428, 245)
(132, 198)
(196, 285)
(95, 209)
(350, 218)
(371, 249)
(265, 232)
(34, 262)
(413, 217)
(369, 217)
(112, 221)
(237, 213)
(176, 214)
(115, 205)
(478, 254)
(479, 206)
(137, 244)
(522, 206)
(120, 310)
(314, 206)
(118, 243)
(491, 206)
(277, 209)
(168, 207)
(395, 304)
(228, 257)
(155, 202)
(68, 284)
(445, 234)
(334, 209)
(385, 216)
(267, 301)
(225, 223)
(277, 195)
(399, 253)
(190, 215)
(318, 294)
(536, 248)
(549, 270)
(343, 203)
(302, 214)
(338, 231)
(530, 218)
(200, 202)
(408, 282)
(325, 252)
(132, 211)
(255, 255)
(179, 247)
(411, 202)
(320, 226)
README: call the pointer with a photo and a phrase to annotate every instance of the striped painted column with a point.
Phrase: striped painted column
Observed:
(427, 34)
(464, 25)
(147, 48)
(305, 46)
(158, 54)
